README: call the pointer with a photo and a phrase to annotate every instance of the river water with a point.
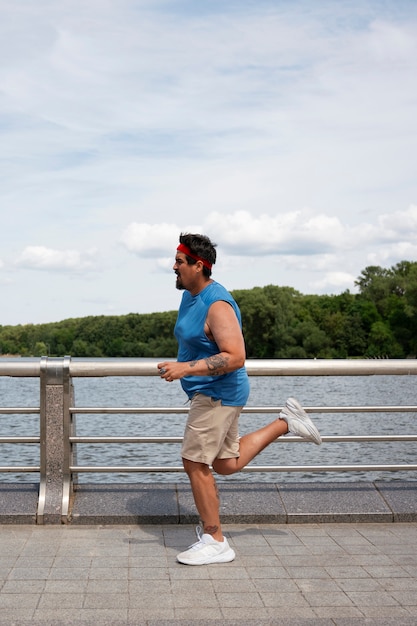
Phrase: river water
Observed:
(265, 391)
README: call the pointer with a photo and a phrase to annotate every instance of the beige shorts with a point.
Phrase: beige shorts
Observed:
(211, 431)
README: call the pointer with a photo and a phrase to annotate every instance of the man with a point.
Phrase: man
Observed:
(211, 367)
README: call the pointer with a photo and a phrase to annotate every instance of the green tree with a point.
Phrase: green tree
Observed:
(267, 313)
(382, 342)
(393, 292)
(40, 349)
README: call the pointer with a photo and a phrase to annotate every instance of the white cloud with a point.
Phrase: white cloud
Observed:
(391, 254)
(41, 258)
(335, 281)
(391, 43)
(150, 239)
(399, 224)
(302, 233)
(298, 232)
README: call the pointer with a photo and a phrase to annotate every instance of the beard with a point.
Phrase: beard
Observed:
(179, 284)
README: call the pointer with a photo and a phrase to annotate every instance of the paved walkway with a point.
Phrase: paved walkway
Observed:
(284, 574)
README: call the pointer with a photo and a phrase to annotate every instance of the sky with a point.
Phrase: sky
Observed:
(285, 130)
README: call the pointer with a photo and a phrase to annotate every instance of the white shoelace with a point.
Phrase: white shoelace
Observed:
(198, 531)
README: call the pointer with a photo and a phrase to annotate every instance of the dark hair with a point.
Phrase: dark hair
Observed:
(201, 246)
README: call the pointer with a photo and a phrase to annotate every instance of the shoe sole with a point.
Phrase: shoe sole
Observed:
(226, 557)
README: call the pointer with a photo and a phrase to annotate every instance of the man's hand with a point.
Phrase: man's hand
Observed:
(173, 370)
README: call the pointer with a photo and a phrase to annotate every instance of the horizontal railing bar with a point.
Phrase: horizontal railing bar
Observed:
(247, 409)
(360, 438)
(125, 439)
(363, 409)
(20, 368)
(331, 367)
(259, 367)
(121, 469)
(248, 468)
(19, 468)
(255, 367)
(20, 439)
(288, 439)
(19, 410)
(329, 468)
(127, 410)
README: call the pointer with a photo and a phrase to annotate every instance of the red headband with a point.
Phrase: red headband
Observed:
(186, 250)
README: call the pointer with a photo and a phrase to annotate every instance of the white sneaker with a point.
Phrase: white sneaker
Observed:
(207, 550)
(299, 422)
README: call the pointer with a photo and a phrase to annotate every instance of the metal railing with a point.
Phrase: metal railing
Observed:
(58, 440)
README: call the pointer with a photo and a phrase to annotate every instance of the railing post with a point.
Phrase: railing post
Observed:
(55, 398)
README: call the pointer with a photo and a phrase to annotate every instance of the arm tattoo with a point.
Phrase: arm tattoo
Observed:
(216, 364)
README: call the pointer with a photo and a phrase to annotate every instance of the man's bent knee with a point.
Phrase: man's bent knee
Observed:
(225, 467)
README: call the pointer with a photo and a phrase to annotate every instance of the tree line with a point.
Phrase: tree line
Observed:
(278, 322)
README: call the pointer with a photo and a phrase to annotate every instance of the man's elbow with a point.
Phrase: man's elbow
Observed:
(240, 360)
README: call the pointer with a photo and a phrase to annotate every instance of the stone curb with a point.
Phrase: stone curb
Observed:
(254, 503)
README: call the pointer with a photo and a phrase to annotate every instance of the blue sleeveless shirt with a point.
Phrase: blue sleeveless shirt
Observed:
(231, 388)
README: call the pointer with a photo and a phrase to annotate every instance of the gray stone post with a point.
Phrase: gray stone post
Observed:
(55, 396)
